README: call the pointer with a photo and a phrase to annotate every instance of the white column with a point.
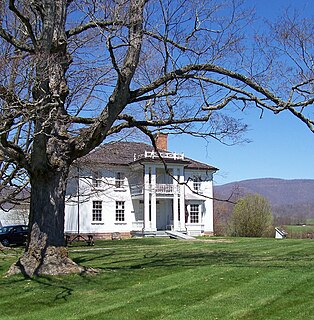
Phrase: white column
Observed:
(153, 199)
(175, 201)
(182, 200)
(209, 214)
(147, 224)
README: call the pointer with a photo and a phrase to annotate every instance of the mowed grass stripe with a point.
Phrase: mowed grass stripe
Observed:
(168, 292)
(274, 299)
(167, 279)
(163, 289)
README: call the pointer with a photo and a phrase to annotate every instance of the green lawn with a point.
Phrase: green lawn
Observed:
(297, 231)
(169, 279)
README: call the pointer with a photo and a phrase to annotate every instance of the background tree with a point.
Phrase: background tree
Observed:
(73, 73)
(223, 208)
(251, 217)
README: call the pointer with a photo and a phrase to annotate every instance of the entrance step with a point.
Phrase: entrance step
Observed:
(150, 234)
(162, 234)
(179, 235)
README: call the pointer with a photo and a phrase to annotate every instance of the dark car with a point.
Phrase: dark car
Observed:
(13, 234)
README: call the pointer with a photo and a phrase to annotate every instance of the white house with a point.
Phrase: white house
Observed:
(127, 187)
(14, 216)
(13, 213)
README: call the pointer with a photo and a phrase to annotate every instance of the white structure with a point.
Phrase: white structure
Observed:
(127, 187)
(14, 216)
(280, 233)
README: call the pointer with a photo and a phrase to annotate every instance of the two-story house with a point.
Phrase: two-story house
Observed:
(127, 187)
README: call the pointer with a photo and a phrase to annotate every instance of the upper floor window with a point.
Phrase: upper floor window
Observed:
(119, 180)
(96, 179)
(97, 211)
(197, 186)
(197, 183)
(120, 213)
(194, 213)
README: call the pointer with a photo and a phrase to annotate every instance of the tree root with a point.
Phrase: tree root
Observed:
(51, 261)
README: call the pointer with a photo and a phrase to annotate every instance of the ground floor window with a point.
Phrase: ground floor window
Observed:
(194, 213)
(120, 214)
(97, 211)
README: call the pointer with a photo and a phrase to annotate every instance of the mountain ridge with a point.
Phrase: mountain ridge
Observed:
(286, 196)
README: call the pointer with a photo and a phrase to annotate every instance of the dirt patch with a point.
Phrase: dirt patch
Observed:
(216, 240)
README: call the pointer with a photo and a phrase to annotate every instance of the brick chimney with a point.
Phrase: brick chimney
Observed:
(161, 141)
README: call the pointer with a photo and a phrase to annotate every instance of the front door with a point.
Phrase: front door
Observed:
(164, 210)
(160, 216)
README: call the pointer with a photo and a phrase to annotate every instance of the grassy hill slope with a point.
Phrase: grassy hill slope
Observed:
(226, 279)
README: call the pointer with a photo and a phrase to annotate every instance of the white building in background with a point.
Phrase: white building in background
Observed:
(14, 216)
(127, 187)
(17, 212)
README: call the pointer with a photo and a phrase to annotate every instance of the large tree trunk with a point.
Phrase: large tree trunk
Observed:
(45, 252)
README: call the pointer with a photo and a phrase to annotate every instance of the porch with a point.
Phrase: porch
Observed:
(162, 234)
(192, 229)
(139, 226)
(160, 189)
(154, 213)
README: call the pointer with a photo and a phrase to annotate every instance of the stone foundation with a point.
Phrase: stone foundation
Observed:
(103, 236)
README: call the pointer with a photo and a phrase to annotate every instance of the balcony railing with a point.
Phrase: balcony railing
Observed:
(137, 190)
(159, 189)
(164, 155)
(167, 189)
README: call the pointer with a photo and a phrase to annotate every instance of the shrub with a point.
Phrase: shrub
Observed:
(251, 217)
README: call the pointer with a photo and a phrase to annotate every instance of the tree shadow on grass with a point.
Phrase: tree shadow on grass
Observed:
(88, 257)
(154, 259)
(24, 284)
(176, 259)
(61, 284)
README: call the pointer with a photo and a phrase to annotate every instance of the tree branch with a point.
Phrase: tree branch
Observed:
(92, 25)
(25, 21)
(14, 42)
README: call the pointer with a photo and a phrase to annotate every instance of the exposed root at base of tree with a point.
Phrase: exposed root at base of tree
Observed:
(51, 261)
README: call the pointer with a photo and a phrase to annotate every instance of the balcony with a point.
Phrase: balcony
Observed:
(166, 189)
(154, 155)
(137, 190)
(160, 189)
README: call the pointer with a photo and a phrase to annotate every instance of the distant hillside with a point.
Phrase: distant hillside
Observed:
(287, 197)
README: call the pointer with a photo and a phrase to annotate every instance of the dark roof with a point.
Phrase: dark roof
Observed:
(11, 197)
(122, 153)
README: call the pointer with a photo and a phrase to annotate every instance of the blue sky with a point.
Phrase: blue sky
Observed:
(281, 146)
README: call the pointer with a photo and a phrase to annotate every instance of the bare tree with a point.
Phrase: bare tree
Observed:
(75, 72)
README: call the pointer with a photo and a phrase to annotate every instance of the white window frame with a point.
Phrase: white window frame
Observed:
(96, 180)
(119, 180)
(120, 211)
(194, 213)
(197, 184)
(97, 211)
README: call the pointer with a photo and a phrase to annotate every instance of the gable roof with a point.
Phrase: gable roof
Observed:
(14, 197)
(122, 153)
